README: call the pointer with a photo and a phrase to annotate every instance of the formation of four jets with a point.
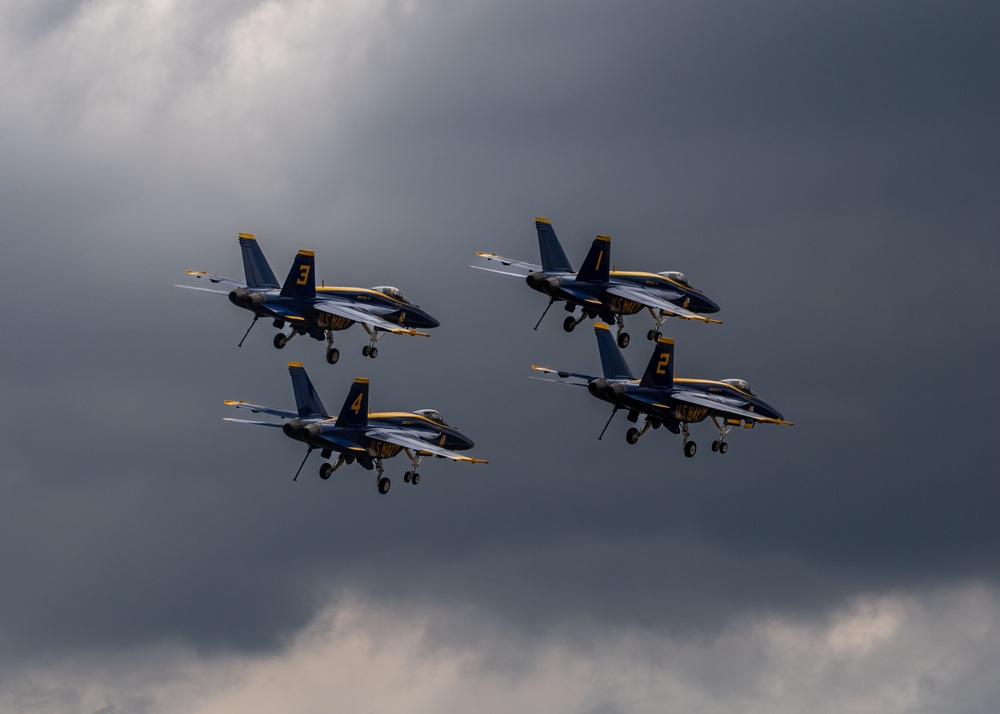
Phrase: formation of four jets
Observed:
(358, 435)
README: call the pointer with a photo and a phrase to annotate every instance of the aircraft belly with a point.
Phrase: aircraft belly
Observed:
(383, 449)
(691, 413)
(624, 305)
(329, 321)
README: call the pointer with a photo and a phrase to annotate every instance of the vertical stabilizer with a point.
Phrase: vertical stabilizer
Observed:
(306, 399)
(596, 267)
(612, 360)
(660, 370)
(301, 280)
(355, 409)
(553, 257)
(258, 272)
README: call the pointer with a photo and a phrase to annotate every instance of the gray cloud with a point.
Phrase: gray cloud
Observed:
(826, 175)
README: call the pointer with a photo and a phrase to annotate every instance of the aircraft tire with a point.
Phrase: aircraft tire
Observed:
(632, 435)
(280, 340)
(332, 355)
(623, 340)
(569, 324)
(383, 485)
(373, 352)
(690, 449)
(325, 470)
(365, 350)
(415, 479)
(723, 447)
(715, 445)
(406, 477)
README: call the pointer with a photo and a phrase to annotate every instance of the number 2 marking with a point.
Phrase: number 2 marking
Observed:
(661, 366)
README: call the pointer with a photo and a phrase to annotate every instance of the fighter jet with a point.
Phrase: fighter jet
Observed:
(359, 436)
(601, 292)
(311, 310)
(667, 400)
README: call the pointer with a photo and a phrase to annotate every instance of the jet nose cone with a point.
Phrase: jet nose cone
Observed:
(463, 442)
(432, 322)
(708, 304)
(767, 410)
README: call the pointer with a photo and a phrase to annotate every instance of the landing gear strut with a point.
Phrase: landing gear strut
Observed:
(720, 445)
(654, 334)
(690, 448)
(570, 323)
(412, 476)
(370, 350)
(381, 481)
(332, 353)
(633, 434)
(623, 338)
(326, 470)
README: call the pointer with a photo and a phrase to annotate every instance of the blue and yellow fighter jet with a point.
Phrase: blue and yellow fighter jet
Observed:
(602, 292)
(315, 311)
(359, 436)
(667, 400)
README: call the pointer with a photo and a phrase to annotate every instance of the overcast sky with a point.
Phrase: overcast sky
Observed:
(828, 175)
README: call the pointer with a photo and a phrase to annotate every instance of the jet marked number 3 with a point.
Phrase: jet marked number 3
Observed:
(303, 275)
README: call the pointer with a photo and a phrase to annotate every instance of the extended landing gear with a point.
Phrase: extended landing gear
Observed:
(654, 334)
(412, 476)
(570, 323)
(623, 338)
(370, 350)
(381, 481)
(281, 339)
(332, 353)
(633, 434)
(720, 444)
(690, 448)
(326, 470)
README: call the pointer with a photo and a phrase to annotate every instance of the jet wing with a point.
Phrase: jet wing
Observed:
(250, 421)
(722, 405)
(204, 290)
(530, 267)
(658, 301)
(577, 380)
(353, 312)
(258, 409)
(408, 441)
(215, 279)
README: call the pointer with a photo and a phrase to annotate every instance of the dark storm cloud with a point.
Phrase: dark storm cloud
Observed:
(828, 175)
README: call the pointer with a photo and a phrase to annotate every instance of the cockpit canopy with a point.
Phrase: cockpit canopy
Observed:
(676, 277)
(742, 385)
(433, 415)
(391, 292)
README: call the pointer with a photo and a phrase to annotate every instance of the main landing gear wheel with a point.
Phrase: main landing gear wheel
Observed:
(406, 477)
(383, 485)
(415, 479)
(325, 470)
(653, 335)
(632, 435)
(569, 324)
(280, 340)
(623, 340)
(332, 355)
(690, 448)
(373, 352)
(365, 350)
(723, 447)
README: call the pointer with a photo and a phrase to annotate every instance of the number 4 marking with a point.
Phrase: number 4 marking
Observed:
(356, 407)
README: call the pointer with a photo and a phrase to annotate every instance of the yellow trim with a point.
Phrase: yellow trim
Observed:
(196, 272)
(606, 239)
(307, 252)
(535, 366)
(538, 219)
(248, 236)
(293, 317)
(488, 255)
(294, 364)
(666, 340)
(361, 380)
(601, 326)
(231, 403)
